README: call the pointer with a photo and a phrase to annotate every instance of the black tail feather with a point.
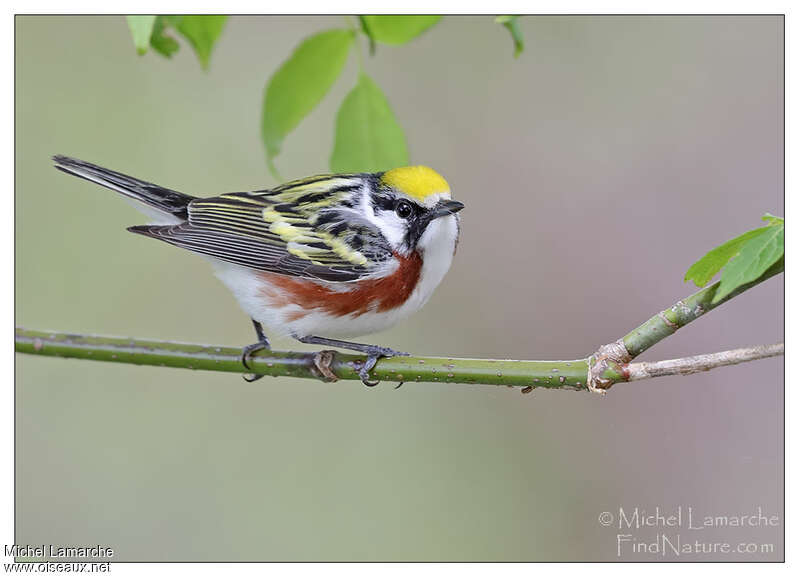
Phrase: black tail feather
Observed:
(161, 198)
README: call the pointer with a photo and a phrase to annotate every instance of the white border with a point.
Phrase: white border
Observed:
(542, 7)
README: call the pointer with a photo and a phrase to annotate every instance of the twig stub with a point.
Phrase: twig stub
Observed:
(607, 366)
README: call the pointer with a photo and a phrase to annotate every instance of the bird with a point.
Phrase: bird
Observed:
(317, 259)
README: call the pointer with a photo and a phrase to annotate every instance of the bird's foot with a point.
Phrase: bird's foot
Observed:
(374, 353)
(247, 352)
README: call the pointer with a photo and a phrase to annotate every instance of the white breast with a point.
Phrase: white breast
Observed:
(437, 247)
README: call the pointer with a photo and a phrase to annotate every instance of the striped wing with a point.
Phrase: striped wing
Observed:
(310, 228)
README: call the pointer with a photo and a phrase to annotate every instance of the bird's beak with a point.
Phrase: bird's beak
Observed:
(444, 208)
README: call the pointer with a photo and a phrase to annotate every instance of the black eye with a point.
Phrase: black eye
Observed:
(403, 209)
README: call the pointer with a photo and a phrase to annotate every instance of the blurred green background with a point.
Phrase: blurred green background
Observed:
(595, 169)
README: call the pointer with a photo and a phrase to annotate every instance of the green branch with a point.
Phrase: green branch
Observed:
(684, 312)
(552, 374)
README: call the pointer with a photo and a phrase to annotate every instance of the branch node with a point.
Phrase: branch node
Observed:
(322, 366)
(670, 324)
(608, 366)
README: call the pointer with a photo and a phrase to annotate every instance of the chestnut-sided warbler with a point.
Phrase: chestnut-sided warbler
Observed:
(342, 255)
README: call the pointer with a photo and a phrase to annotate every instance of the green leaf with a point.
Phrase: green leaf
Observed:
(772, 219)
(161, 42)
(368, 137)
(202, 32)
(300, 83)
(512, 24)
(755, 257)
(710, 264)
(141, 29)
(397, 29)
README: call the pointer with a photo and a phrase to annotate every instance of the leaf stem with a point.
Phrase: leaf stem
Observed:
(359, 52)
(273, 170)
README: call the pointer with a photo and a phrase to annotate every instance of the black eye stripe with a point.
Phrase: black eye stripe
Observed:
(382, 202)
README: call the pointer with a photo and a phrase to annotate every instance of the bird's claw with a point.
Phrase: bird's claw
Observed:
(247, 351)
(373, 355)
(365, 368)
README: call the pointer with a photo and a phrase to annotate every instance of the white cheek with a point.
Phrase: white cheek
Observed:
(392, 226)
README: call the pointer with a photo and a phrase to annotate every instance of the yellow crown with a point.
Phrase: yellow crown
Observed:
(418, 182)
